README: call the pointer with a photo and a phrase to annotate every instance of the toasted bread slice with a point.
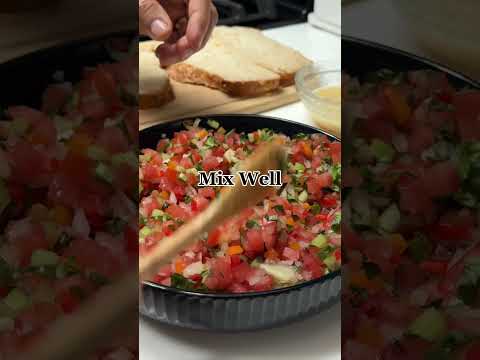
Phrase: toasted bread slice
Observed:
(154, 85)
(220, 67)
(262, 50)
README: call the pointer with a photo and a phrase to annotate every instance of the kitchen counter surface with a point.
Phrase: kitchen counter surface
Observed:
(317, 338)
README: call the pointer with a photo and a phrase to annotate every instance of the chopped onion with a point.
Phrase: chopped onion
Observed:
(194, 269)
(80, 225)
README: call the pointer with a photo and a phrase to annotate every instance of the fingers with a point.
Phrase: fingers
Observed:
(202, 19)
(153, 20)
(199, 16)
(213, 23)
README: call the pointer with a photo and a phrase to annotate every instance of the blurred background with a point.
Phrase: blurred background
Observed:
(442, 30)
(27, 25)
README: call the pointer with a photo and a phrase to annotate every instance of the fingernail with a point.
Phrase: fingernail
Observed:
(158, 27)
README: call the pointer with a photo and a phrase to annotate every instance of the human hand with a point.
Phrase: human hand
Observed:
(184, 26)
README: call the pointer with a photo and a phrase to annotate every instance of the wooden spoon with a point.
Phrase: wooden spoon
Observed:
(75, 336)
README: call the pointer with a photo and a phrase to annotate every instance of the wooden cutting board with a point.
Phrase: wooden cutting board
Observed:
(194, 100)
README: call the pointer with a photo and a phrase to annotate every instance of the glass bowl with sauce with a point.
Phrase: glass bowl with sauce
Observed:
(320, 91)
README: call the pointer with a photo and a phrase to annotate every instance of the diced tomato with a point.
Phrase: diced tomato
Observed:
(467, 112)
(54, 97)
(254, 241)
(329, 201)
(450, 232)
(177, 212)
(199, 203)
(317, 182)
(162, 145)
(207, 192)
(241, 272)
(210, 163)
(196, 156)
(95, 109)
(269, 235)
(442, 179)
(104, 83)
(113, 140)
(220, 276)
(214, 237)
(434, 267)
(68, 302)
(335, 152)
(291, 254)
(186, 163)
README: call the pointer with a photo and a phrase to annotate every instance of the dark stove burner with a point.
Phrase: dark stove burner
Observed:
(263, 13)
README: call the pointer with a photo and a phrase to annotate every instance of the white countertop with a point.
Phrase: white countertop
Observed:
(317, 338)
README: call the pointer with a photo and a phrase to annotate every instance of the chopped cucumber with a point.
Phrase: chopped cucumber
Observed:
(390, 218)
(44, 258)
(145, 231)
(320, 241)
(331, 262)
(16, 300)
(104, 172)
(19, 126)
(128, 158)
(6, 324)
(299, 167)
(382, 151)
(303, 196)
(283, 274)
(97, 153)
(430, 325)
(214, 124)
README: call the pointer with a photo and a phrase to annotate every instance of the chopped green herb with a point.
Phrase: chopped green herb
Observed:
(252, 224)
(279, 208)
(180, 282)
(116, 226)
(62, 242)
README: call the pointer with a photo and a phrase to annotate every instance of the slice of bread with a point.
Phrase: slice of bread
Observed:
(154, 86)
(241, 62)
(262, 50)
(222, 68)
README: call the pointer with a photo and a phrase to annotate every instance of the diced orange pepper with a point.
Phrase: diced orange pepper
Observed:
(306, 206)
(399, 244)
(360, 280)
(271, 254)
(307, 150)
(164, 194)
(295, 246)
(79, 143)
(369, 335)
(37, 138)
(401, 111)
(61, 215)
(235, 250)
(180, 266)
(202, 133)
(39, 212)
(290, 221)
(172, 165)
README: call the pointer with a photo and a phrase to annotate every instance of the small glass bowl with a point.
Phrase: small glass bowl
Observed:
(325, 112)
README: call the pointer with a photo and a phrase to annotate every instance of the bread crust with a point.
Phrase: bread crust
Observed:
(149, 101)
(187, 73)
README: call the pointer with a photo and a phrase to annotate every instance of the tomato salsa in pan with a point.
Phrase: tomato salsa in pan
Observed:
(290, 237)
(411, 212)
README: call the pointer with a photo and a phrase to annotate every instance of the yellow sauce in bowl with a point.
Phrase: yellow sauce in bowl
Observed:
(327, 109)
(330, 93)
